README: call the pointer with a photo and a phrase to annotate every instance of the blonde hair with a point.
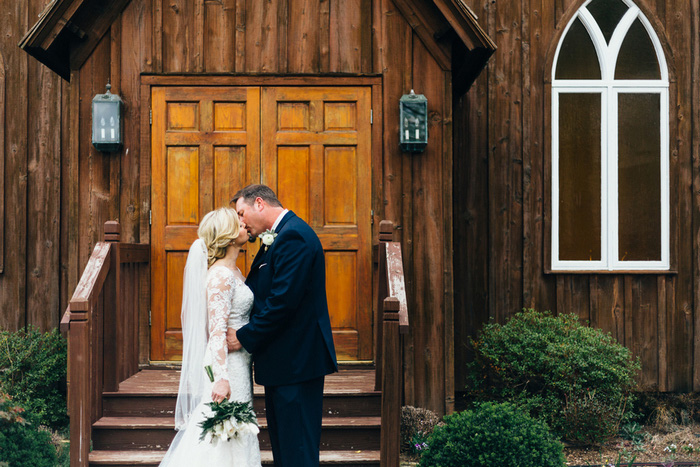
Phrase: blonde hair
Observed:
(217, 230)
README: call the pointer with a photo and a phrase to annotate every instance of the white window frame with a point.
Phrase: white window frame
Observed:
(609, 88)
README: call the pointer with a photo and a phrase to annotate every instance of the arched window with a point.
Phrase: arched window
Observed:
(610, 156)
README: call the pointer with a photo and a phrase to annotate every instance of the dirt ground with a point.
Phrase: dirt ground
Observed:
(682, 444)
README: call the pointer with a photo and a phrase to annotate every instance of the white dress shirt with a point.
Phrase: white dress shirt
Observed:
(279, 218)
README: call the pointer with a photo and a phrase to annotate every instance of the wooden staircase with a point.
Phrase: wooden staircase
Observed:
(121, 415)
(137, 425)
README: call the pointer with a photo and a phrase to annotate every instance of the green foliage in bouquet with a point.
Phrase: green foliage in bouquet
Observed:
(33, 371)
(492, 434)
(577, 379)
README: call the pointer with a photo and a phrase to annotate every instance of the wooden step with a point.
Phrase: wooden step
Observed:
(166, 382)
(156, 433)
(138, 422)
(153, 393)
(122, 404)
(153, 458)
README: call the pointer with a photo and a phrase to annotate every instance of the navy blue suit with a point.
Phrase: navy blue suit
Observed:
(290, 338)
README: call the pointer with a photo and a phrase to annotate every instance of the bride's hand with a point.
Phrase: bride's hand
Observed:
(221, 391)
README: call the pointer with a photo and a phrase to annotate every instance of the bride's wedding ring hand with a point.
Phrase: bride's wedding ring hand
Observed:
(221, 391)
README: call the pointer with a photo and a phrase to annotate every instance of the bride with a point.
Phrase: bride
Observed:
(214, 298)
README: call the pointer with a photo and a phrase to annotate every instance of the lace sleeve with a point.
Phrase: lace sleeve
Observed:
(219, 299)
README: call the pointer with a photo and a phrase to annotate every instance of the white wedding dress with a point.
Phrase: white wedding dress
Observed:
(229, 302)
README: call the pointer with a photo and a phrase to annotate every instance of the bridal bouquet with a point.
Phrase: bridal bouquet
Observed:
(229, 419)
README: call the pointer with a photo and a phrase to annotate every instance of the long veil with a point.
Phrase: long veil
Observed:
(193, 378)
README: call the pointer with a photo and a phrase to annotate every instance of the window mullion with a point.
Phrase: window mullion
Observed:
(612, 181)
(665, 182)
(555, 175)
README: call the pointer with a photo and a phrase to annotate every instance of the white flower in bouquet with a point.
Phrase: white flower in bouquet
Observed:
(229, 420)
(230, 429)
(248, 429)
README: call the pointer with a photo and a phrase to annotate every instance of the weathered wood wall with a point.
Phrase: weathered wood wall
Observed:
(501, 192)
(34, 105)
(60, 191)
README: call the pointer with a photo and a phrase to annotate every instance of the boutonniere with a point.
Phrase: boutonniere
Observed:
(268, 238)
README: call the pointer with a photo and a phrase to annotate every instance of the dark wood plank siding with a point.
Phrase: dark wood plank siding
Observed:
(505, 161)
(695, 149)
(471, 226)
(96, 200)
(13, 281)
(134, 57)
(427, 219)
(69, 189)
(345, 32)
(2, 164)
(43, 192)
(655, 315)
(675, 17)
(277, 36)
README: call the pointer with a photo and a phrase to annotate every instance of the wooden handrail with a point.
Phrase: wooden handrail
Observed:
(396, 282)
(392, 321)
(102, 325)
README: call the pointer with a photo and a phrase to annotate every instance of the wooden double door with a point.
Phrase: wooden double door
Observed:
(312, 145)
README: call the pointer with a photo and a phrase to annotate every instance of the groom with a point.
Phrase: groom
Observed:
(289, 333)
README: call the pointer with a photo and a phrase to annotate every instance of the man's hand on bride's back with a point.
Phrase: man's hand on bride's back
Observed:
(232, 340)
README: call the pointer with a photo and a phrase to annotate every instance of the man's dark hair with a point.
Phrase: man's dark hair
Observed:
(251, 192)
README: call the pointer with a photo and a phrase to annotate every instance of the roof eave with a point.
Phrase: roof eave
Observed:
(68, 31)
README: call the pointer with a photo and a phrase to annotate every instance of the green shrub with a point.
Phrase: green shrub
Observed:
(33, 372)
(492, 434)
(22, 442)
(577, 379)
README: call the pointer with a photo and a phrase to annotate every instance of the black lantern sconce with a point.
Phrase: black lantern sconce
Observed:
(413, 122)
(107, 121)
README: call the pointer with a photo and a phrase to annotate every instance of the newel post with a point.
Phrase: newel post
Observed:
(111, 309)
(80, 393)
(112, 231)
(386, 235)
(391, 386)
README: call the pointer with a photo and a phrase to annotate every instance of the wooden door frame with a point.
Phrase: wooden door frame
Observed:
(148, 81)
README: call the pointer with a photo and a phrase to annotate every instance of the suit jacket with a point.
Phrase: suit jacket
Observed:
(289, 333)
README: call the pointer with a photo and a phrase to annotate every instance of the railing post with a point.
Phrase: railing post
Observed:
(386, 235)
(391, 385)
(80, 400)
(111, 309)
(112, 231)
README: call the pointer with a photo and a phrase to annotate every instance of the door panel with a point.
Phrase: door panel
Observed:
(316, 155)
(205, 145)
(311, 145)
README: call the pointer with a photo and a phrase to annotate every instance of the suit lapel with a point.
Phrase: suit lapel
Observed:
(258, 258)
(261, 252)
(284, 220)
